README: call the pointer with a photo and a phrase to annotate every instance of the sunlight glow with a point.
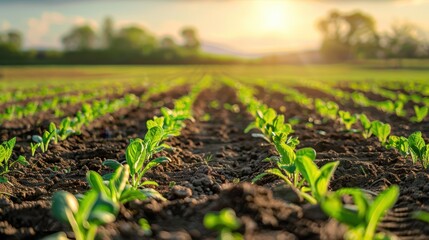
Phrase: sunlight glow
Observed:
(275, 16)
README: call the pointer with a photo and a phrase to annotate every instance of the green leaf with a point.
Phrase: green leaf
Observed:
(95, 181)
(154, 163)
(56, 236)
(103, 211)
(287, 155)
(3, 153)
(225, 219)
(21, 160)
(3, 179)
(308, 152)
(37, 138)
(134, 154)
(86, 203)
(334, 207)
(259, 177)
(384, 201)
(366, 124)
(322, 182)
(111, 163)
(132, 194)
(148, 182)
(52, 127)
(416, 142)
(308, 169)
(251, 126)
(421, 215)
(61, 203)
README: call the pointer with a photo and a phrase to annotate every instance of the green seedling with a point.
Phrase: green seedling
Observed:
(145, 226)
(327, 109)
(271, 125)
(317, 179)
(298, 170)
(65, 129)
(116, 188)
(85, 216)
(421, 215)
(347, 119)
(34, 147)
(44, 140)
(225, 223)
(6, 149)
(419, 149)
(399, 108)
(421, 113)
(138, 155)
(366, 125)
(363, 218)
(400, 144)
(380, 130)
(54, 132)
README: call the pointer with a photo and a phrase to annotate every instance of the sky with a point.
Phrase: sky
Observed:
(247, 26)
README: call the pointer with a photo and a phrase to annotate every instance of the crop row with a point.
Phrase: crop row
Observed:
(295, 166)
(100, 204)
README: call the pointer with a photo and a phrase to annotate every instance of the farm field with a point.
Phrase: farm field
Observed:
(296, 152)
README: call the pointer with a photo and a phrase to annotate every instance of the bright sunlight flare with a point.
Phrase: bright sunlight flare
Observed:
(275, 15)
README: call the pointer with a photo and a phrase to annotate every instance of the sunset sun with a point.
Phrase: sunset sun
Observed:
(275, 16)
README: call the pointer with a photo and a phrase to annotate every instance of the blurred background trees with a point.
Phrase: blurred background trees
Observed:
(345, 36)
(354, 35)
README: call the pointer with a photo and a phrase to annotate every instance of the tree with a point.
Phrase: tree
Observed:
(134, 39)
(348, 35)
(167, 43)
(190, 38)
(108, 32)
(80, 38)
(14, 39)
(10, 46)
(405, 40)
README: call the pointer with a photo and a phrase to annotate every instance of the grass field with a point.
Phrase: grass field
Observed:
(199, 152)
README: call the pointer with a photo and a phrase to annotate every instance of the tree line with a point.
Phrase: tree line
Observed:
(131, 44)
(345, 36)
(355, 36)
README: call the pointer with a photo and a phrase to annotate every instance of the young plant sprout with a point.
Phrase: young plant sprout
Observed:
(347, 119)
(225, 223)
(86, 215)
(380, 130)
(366, 125)
(6, 149)
(419, 149)
(363, 218)
(421, 113)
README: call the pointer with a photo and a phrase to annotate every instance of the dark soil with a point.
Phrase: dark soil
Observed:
(364, 163)
(211, 165)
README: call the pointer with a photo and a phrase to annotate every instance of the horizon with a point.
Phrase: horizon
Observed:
(262, 27)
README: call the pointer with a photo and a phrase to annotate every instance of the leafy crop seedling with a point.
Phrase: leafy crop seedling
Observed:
(225, 222)
(380, 130)
(116, 188)
(86, 215)
(6, 149)
(363, 218)
(419, 149)
(421, 113)
(366, 125)
(347, 119)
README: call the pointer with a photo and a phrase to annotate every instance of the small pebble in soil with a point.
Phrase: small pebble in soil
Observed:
(181, 192)
(179, 235)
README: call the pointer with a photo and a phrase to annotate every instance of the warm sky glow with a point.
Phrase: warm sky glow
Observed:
(274, 16)
(252, 26)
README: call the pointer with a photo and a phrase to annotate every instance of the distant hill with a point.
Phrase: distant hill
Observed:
(220, 49)
(301, 57)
